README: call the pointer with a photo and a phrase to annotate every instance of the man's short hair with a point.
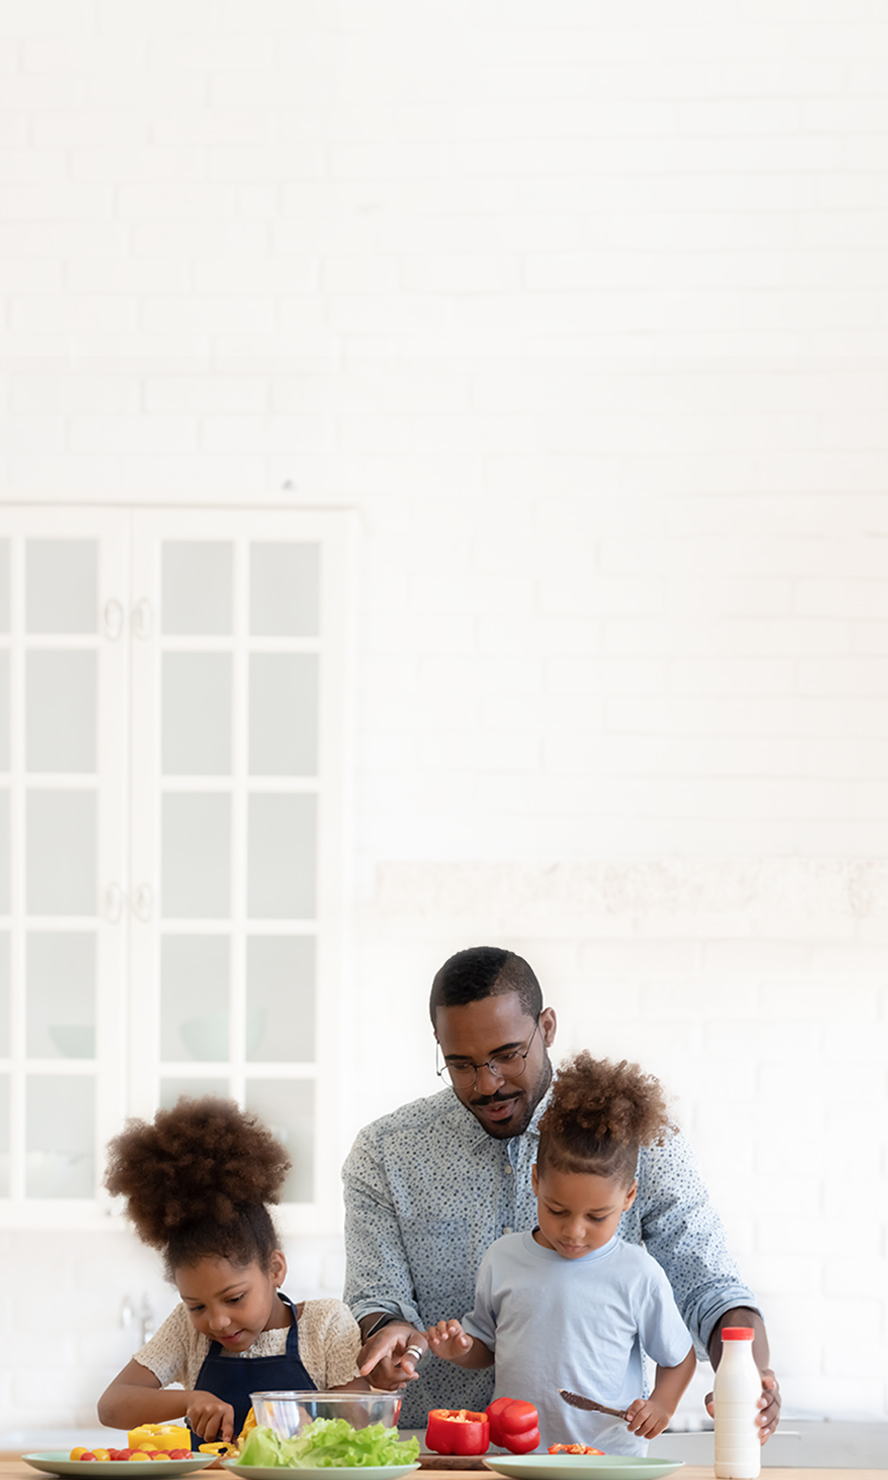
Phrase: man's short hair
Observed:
(485, 971)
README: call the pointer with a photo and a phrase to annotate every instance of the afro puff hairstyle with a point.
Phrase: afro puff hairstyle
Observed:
(196, 1182)
(599, 1114)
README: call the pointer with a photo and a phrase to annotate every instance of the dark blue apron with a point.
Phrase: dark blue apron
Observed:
(234, 1378)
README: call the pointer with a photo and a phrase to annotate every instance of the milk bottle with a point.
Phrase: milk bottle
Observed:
(736, 1392)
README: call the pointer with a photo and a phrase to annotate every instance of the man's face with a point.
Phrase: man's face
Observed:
(498, 1026)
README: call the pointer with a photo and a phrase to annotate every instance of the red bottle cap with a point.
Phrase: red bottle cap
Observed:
(737, 1333)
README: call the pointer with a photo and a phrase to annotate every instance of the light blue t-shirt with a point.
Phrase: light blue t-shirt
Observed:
(579, 1324)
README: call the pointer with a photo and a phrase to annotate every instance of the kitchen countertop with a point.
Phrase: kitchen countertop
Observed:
(16, 1469)
(706, 1472)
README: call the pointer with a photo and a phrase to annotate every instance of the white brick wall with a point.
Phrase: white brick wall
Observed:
(587, 312)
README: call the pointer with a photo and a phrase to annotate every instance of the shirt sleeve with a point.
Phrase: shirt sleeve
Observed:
(329, 1342)
(175, 1351)
(377, 1270)
(683, 1232)
(481, 1320)
(664, 1335)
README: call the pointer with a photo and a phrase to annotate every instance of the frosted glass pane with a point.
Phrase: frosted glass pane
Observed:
(4, 995)
(172, 1090)
(4, 1135)
(194, 976)
(61, 995)
(60, 845)
(61, 585)
(4, 852)
(281, 998)
(4, 710)
(60, 712)
(59, 1137)
(4, 585)
(283, 714)
(196, 586)
(281, 857)
(287, 1107)
(196, 714)
(196, 855)
(284, 590)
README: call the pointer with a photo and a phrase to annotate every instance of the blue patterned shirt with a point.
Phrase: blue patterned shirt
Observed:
(427, 1192)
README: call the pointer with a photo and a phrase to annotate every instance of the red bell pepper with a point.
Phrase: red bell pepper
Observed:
(457, 1431)
(514, 1425)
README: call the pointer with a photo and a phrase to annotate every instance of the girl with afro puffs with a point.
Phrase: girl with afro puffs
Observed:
(196, 1184)
(570, 1305)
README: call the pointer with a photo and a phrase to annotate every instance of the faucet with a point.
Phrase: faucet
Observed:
(146, 1318)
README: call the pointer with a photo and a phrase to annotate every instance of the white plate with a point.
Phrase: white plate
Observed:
(58, 1462)
(366, 1472)
(581, 1466)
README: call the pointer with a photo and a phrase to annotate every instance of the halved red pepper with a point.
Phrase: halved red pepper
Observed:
(458, 1431)
(514, 1425)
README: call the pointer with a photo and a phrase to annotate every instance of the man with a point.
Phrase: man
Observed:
(429, 1187)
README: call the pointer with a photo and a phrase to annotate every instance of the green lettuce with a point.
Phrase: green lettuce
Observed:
(328, 1443)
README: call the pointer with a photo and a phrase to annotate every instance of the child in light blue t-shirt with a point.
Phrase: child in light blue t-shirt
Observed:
(570, 1305)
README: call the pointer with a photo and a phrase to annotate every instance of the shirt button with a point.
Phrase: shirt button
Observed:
(507, 1229)
(508, 1170)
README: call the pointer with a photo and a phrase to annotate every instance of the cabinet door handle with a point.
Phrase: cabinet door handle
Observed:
(113, 619)
(114, 899)
(142, 622)
(143, 902)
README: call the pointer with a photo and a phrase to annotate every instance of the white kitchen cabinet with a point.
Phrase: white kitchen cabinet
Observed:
(173, 688)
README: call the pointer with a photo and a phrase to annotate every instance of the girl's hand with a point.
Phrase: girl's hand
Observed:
(209, 1417)
(647, 1418)
(447, 1339)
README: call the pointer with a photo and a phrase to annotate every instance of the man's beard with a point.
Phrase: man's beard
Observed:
(516, 1126)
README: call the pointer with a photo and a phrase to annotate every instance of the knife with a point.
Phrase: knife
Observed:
(576, 1401)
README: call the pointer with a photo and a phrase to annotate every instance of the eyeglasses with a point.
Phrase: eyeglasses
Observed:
(509, 1065)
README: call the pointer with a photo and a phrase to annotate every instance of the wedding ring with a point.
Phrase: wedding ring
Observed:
(413, 1351)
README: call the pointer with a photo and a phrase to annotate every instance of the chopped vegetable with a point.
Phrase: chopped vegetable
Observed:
(326, 1443)
(159, 1436)
(573, 1449)
(458, 1431)
(514, 1425)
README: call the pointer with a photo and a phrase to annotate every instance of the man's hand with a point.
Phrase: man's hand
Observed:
(769, 1402)
(647, 1418)
(448, 1340)
(769, 1406)
(384, 1358)
(209, 1417)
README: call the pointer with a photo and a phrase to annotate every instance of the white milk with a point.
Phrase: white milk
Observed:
(736, 1392)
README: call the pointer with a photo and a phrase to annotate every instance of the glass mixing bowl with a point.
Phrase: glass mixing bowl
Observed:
(288, 1413)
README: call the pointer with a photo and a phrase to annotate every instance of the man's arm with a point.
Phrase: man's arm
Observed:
(378, 1282)
(683, 1232)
